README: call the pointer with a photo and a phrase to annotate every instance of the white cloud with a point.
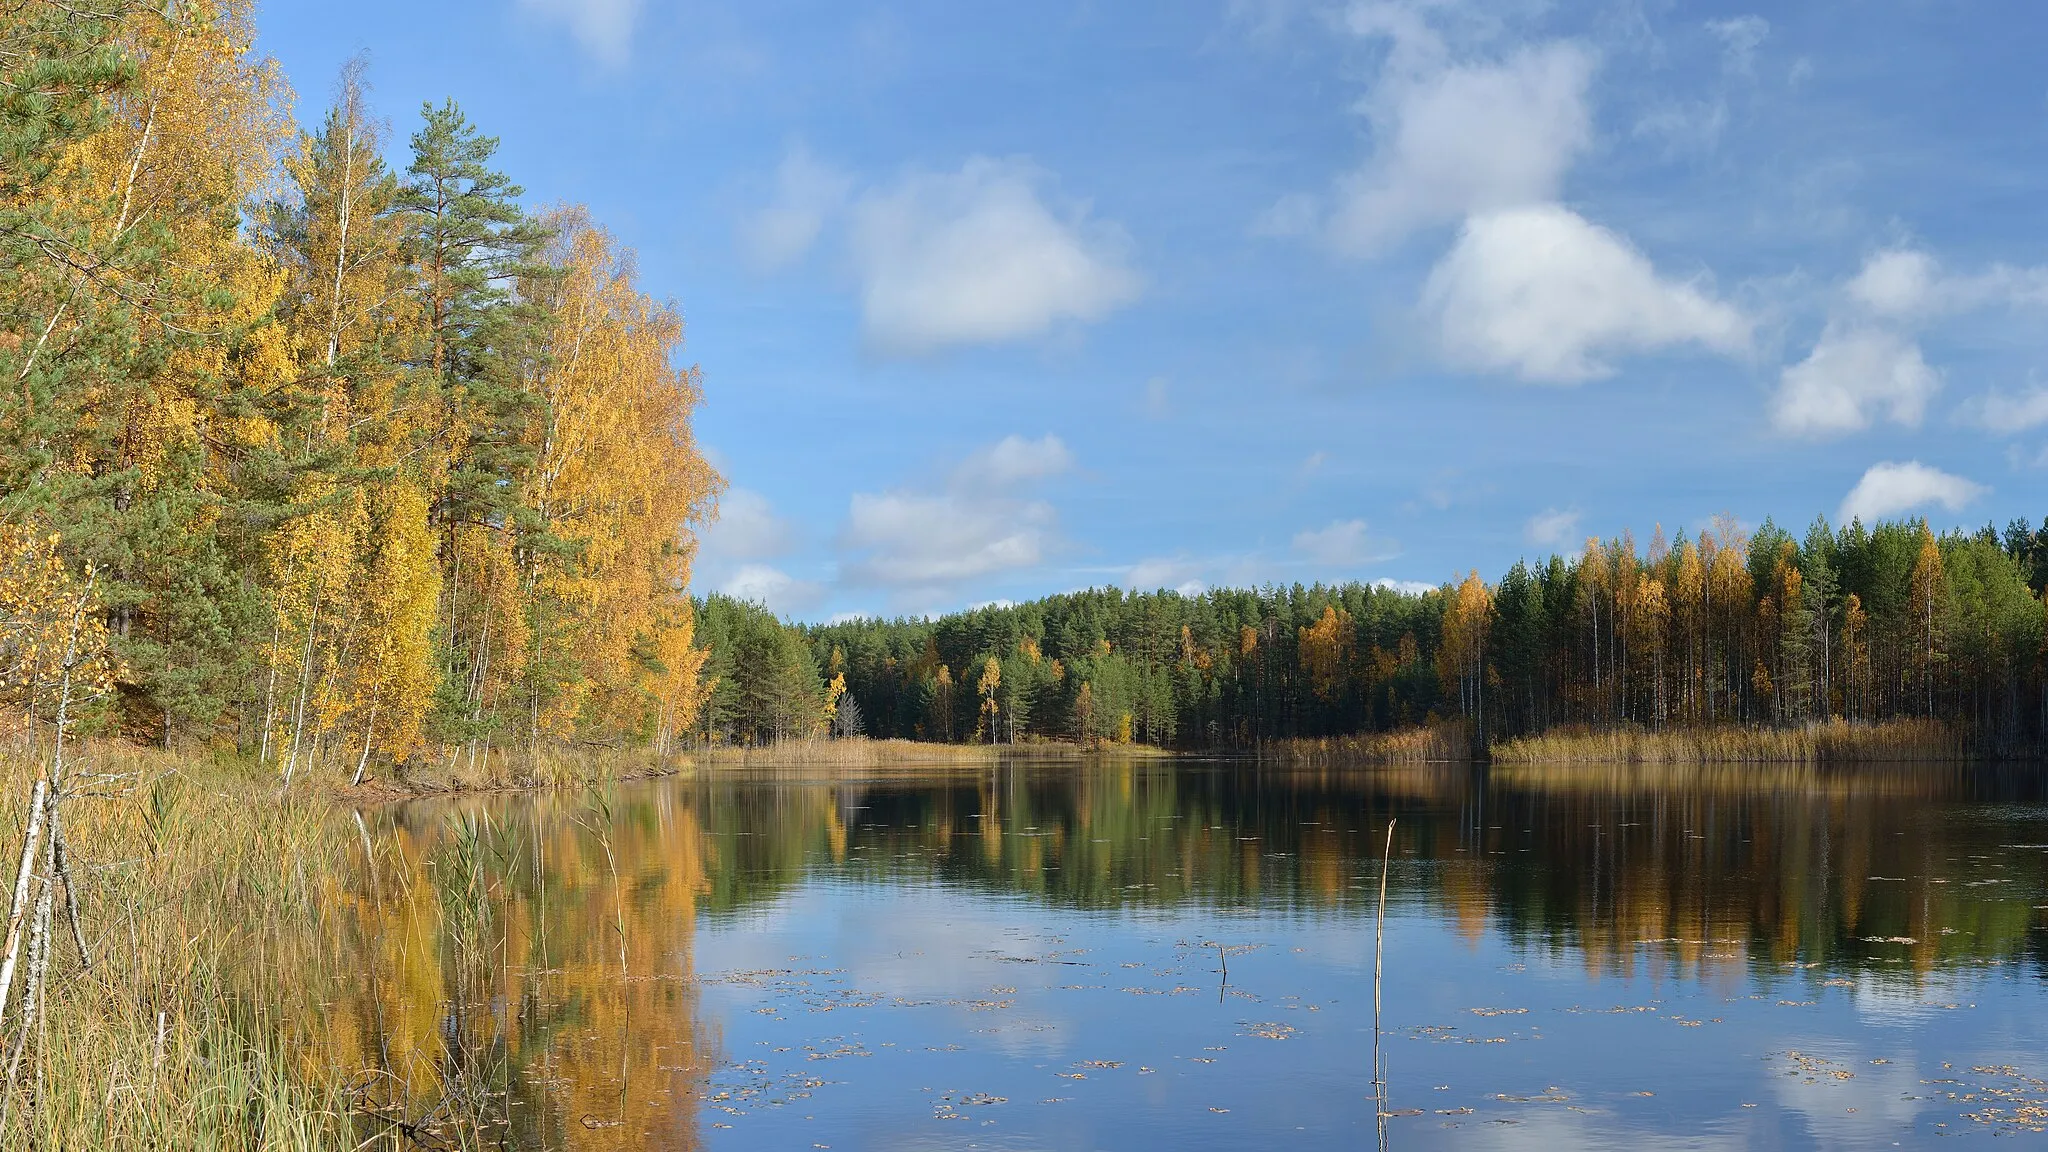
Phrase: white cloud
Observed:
(1853, 375)
(1547, 295)
(1888, 489)
(1453, 139)
(772, 588)
(1343, 544)
(977, 257)
(1177, 573)
(1015, 460)
(603, 28)
(1406, 587)
(807, 194)
(921, 540)
(1553, 528)
(1896, 282)
(733, 554)
(1907, 284)
(2010, 415)
(747, 528)
(978, 524)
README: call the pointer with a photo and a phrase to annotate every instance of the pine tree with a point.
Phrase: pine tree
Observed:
(471, 246)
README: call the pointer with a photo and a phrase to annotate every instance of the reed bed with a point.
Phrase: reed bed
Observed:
(1834, 742)
(848, 753)
(1439, 743)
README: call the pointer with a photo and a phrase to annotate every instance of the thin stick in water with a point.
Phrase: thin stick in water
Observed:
(1378, 945)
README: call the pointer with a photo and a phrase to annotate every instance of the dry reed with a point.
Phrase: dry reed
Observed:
(1834, 742)
(1434, 744)
(850, 753)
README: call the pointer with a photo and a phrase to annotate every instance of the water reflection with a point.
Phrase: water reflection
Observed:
(534, 960)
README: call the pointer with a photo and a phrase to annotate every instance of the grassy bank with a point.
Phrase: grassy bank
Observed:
(1838, 742)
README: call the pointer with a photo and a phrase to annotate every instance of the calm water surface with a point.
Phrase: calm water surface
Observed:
(1030, 956)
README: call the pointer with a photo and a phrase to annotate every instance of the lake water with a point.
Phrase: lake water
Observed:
(1030, 955)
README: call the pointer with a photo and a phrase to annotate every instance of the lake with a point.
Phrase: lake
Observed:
(1031, 954)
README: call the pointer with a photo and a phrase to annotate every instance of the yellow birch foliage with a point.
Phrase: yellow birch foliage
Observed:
(401, 587)
(1326, 651)
(195, 137)
(46, 614)
(617, 480)
(1468, 616)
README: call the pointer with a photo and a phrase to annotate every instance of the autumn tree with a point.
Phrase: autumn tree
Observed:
(1927, 609)
(1461, 662)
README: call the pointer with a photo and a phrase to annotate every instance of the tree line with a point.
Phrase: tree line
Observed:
(362, 455)
(1723, 627)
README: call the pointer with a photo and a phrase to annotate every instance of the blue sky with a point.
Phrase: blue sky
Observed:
(1001, 299)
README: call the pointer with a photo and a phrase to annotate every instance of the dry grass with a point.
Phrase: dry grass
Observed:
(463, 769)
(220, 905)
(865, 753)
(1436, 744)
(202, 902)
(854, 753)
(1836, 742)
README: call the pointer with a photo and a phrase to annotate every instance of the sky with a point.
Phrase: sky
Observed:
(1010, 298)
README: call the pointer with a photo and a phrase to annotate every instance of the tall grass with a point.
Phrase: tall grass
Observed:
(1835, 742)
(1434, 744)
(861, 752)
(858, 752)
(203, 907)
(463, 768)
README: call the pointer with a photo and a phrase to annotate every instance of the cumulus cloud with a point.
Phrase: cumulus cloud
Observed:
(977, 256)
(1888, 489)
(976, 524)
(1552, 528)
(747, 528)
(1547, 295)
(807, 194)
(1406, 587)
(1906, 284)
(1013, 460)
(921, 540)
(1897, 282)
(603, 28)
(2010, 415)
(734, 555)
(1453, 138)
(773, 589)
(1853, 376)
(1343, 544)
(1177, 573)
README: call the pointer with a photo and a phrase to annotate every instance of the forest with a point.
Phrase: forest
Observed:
(1726, 627)
(352, 456)
(358, 458)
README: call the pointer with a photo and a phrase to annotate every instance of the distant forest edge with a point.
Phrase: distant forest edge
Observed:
(1858, 625)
